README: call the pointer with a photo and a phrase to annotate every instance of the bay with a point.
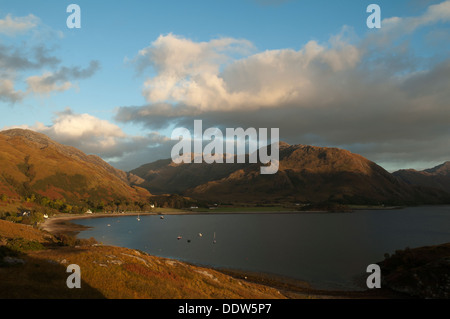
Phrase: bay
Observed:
(328, 250)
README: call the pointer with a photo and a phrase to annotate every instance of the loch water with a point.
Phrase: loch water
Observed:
(328, 250)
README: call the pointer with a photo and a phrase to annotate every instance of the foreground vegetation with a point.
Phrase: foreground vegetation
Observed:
(33, 265)
(422, 272)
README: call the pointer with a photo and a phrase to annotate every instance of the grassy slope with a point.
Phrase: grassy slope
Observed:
(109, 272)
(57, 171)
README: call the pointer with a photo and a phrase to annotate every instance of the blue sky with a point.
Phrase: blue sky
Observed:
(311, 68)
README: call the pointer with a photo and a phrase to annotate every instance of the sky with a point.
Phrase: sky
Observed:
(118, 86)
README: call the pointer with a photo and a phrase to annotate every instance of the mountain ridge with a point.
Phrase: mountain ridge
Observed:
(32, 164)
(437, 177)
(306, 174)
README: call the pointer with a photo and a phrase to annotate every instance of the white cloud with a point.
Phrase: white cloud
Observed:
(206, 76)
(89, 133)
(83, 130)
(374, 91)
(16, 25)
(187, 70)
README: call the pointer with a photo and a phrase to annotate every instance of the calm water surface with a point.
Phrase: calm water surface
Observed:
(328, 250)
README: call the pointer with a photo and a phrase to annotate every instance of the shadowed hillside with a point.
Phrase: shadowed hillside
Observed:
(306, 174)
(437, 177)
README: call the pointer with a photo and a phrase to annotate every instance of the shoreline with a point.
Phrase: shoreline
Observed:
(58, 221)
(290, 287)
(61, 222)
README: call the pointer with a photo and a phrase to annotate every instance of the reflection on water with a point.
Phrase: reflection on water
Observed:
(329, 250)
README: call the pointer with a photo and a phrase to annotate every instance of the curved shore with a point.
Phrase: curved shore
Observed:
(291, 288)
(61, 223)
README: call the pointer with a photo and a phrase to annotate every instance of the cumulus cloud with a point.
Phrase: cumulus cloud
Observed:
(184, 65)
(367, 95)
(204, 76)
(80, 130)
(266, 80)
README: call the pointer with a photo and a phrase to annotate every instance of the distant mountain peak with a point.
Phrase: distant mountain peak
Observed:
(442, 169)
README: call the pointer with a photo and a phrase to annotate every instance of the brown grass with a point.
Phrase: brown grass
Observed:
(119, 273)
(10, 230)
(111, 272)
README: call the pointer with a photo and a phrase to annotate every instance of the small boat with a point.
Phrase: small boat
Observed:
(138, 218)
(179, 237)
(200, 235)
(214, 241)
(162, 217)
